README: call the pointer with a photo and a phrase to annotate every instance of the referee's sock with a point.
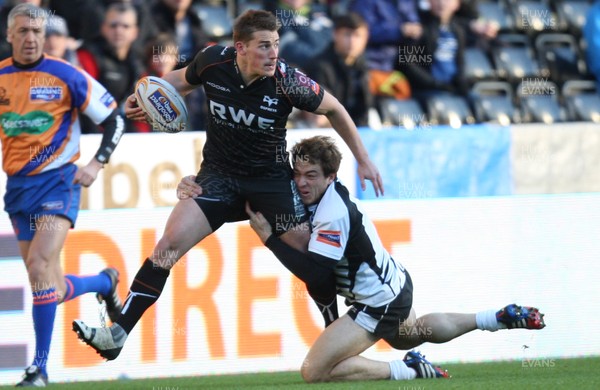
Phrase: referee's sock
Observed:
(144, 291)
(77, 285)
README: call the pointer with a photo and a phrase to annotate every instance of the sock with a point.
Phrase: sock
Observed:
(400, 371)
(486, 320)
(144, 291)
(77, 285)
(44, 312)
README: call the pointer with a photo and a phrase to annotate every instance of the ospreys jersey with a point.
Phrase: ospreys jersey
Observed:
(39, 113)
(246, 129)
(365, 272)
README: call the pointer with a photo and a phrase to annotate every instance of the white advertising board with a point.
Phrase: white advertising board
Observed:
(230, 307)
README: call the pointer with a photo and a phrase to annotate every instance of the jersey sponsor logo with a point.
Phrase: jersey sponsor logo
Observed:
(53, 205)
(330, 237)
(160, 101)
(306, 81)
(239, 116)
(45, 93)
(35, 122)
(217, 86)
(107, 99)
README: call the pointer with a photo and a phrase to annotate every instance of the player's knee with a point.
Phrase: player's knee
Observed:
(312, 374)
(38, 267)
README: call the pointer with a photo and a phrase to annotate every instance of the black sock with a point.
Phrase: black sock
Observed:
(144, 291)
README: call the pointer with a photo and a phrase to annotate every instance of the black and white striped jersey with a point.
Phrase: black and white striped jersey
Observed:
(365, 271)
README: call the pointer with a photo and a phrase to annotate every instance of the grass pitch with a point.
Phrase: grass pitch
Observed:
(581, 373)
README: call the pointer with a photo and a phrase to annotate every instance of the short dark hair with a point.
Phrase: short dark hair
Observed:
(351, 20)
(251, 21)
(319, 150)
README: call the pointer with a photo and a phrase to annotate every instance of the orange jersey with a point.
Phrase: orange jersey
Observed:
(39, 113)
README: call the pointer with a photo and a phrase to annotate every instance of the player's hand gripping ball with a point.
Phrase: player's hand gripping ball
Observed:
(163, 105)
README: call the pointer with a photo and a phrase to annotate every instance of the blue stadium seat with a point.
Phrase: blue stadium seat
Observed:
(492, 101)
(559, 57)
(539, 102)
(406, 113)
(514, 58)
(449, 110)
(582, 100)
(573, 14)
(496, 11)
(477, 65)
(532, 17)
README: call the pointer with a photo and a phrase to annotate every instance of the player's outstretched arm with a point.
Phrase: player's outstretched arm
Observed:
(342, 123)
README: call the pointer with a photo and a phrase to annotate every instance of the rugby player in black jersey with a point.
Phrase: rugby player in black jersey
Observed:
(250, 93)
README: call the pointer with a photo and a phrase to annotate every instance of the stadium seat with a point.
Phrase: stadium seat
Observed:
(532, 17)
(449, 110)
(496, 11)
(217, 22)
(492, 101)
(582, 100)
(514, 58)
(405, 113)
(477, 65)
(559, 57)
(539, 102)
(573, 14)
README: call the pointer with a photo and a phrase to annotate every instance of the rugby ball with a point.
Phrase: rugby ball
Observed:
(164, 107)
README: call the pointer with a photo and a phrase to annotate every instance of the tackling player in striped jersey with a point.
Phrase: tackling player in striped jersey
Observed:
(346, 256)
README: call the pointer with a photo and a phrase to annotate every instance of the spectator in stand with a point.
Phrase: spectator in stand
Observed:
(435, 63)
(177, 18)
(147, 29)
(305, 31)
(391, 22)
(591, 34)
(111, 58)
(84, 17)
(342, 69)
(58, 42)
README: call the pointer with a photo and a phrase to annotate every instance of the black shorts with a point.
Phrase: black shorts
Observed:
(384, 321)
(224, 199)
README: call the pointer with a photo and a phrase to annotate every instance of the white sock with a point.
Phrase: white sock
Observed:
(486, 320)
(400, 371)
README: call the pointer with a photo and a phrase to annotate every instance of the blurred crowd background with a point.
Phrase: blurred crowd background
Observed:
(403, 63)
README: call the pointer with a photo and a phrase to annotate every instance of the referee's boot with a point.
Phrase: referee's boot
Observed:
(107, 342)
(113, 302)
(33, 377)
(423, 367)
(520, 317)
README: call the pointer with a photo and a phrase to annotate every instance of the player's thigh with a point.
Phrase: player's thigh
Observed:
(187, 225)
(408, 334)
(278, 200)
(342, 339)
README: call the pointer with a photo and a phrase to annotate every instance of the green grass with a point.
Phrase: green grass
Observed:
(541, 374)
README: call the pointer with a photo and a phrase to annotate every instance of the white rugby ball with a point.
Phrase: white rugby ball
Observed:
(163, 105)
